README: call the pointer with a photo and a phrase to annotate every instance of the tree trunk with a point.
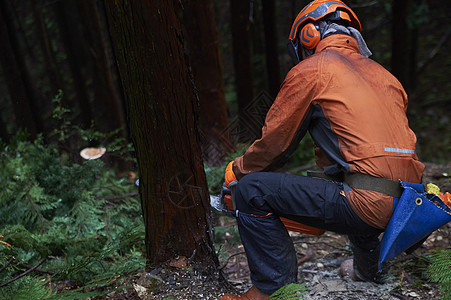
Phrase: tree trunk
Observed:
(54, 75)
(400, 42)
(72, 40)
(272, 55)
(203, 51)
(162, 108)
(107, 101)
(242, 60)
(15, 76)
(4, 134)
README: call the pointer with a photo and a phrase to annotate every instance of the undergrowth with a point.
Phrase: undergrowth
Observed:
(67, 230)
(440, 271)
(80, 219)
(292, 291)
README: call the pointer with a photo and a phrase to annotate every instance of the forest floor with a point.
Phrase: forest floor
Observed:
(319, 259)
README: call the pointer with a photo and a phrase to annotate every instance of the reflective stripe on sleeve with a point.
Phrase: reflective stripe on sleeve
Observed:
(398, 150)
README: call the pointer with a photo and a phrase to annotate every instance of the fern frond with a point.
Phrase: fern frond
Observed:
(440, 271)
(87, 223)
(292, 291)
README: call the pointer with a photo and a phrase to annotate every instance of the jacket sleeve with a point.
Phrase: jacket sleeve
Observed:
(286, 123)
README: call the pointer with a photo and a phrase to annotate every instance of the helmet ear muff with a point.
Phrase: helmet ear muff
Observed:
(310, 36)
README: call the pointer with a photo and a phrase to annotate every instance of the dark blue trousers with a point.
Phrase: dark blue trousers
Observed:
(261, 198)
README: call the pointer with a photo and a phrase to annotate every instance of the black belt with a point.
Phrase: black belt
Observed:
(366, 182)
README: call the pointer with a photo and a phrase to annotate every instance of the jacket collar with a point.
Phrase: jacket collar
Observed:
(338, 41)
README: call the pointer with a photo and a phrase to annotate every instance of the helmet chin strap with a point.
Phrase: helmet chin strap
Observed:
(298, 52)
(306, 52)
(293, 51)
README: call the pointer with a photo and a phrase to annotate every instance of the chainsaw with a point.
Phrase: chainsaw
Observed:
(225, 204)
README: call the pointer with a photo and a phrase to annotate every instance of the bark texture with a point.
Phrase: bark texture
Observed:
(162, 110)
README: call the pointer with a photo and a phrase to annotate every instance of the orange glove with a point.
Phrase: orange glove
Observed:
(229, 175)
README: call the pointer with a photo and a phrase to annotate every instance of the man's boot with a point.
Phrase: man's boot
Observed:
(366, 264)
(252, 294)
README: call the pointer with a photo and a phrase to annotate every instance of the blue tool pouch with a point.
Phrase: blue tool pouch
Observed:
(416, 214)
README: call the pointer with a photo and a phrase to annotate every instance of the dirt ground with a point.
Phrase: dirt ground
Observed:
(319, 259)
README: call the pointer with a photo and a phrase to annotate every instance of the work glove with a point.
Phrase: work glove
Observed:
(229, 175)
(230, 182)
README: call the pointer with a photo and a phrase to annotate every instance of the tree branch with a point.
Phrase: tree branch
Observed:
(81, 223)
(434, 52)
(107, 225)
(112, 198)
(36, 269)
(23, 274)
(368, 4)
(7, 264)
(37, 211)
(228, 258)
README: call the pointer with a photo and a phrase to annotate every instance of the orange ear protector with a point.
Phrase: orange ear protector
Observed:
(310, 36)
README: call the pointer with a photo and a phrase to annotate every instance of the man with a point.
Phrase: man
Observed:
(355, 112)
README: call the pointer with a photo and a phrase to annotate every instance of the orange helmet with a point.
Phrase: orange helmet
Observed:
(316, 10)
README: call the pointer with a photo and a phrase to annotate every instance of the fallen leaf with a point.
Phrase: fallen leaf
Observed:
(179, 262)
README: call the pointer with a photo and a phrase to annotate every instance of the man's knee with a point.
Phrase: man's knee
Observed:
(244, 189)
(252, 192)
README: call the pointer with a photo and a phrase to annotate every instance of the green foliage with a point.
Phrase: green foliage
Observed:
(24, 287)
(418, 15)
(292, 291)
(227, 233)
(62, 115)
(215, 175)
(434, 138)
(65, 131)
(84, 220)
(302, 156)
(440, 271)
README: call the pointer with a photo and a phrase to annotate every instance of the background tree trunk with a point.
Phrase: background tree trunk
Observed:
(15, 76)
(400, 42)
(272, 55)
(242, 58)
(73, 42)
(162, 109)
(107, 101)
(4, 135)
(49, 62)
(203, 52)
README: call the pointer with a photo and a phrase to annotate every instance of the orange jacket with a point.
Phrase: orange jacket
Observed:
(355, 111)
